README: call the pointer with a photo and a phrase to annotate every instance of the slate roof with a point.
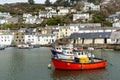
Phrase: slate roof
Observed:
(90, 35)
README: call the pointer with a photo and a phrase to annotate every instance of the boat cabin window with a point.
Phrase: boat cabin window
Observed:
(67, 52)
(70, 52)
(80, 53)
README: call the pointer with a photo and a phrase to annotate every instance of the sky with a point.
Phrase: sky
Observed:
(14, 1)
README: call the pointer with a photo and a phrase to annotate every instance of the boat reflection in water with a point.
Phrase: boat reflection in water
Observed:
(97, 74)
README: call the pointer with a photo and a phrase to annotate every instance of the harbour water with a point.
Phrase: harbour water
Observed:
(31, 64)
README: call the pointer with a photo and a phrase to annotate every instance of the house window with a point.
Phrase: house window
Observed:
(52, 40)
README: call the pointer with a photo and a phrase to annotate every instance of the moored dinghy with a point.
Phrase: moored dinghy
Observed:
(2, 47)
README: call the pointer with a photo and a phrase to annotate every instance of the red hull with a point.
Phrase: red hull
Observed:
(58, 64)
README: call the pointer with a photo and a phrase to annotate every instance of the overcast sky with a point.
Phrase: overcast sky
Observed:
(14, 1)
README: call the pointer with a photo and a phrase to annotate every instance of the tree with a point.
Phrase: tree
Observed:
(100, 18)
(54, 21)
(31, 2)
(47, 3)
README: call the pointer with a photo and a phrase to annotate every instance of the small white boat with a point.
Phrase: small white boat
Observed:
(24, 46)
(66, 54)
(2, 47)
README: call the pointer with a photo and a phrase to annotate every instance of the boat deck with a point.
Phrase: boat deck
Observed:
(93, 61)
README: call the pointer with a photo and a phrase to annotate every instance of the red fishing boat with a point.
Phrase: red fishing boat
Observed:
(73, 65)
(82, 60)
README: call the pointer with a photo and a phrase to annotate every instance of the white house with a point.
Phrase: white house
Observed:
(83, 16)
(48, 8)
(53, 12)
(115, 36)
(97, 29)
(84, 25)
(63, 11)
(116, 24)
(46, 39)
(5, 15)
(25, 15)
(3, 21)
(73, 10)
(30, 20)
(74, 28)
(45, 14)
(114, 17)
(91, 7)
(31, 36)
(6, 37)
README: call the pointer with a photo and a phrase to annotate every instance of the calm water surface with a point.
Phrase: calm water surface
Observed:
(31, 64)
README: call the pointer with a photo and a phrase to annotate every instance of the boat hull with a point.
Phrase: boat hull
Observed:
(58, 64)
(54, 52)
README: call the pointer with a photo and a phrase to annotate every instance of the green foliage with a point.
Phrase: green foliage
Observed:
(54, 21)
(62, 3)
(31, 2)
(99, 18)
(60, 20)
(106, 23)
(47, 3)
(20, 8)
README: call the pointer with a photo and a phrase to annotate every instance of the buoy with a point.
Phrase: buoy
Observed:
(49, 66)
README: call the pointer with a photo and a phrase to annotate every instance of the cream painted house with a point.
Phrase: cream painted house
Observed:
(83, 16)
(63, 11)
(64, 31)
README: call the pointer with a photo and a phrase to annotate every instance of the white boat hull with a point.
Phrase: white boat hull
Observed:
(64, 56)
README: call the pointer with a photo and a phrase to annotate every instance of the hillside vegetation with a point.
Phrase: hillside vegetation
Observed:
(20, 8)
(17, 9)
